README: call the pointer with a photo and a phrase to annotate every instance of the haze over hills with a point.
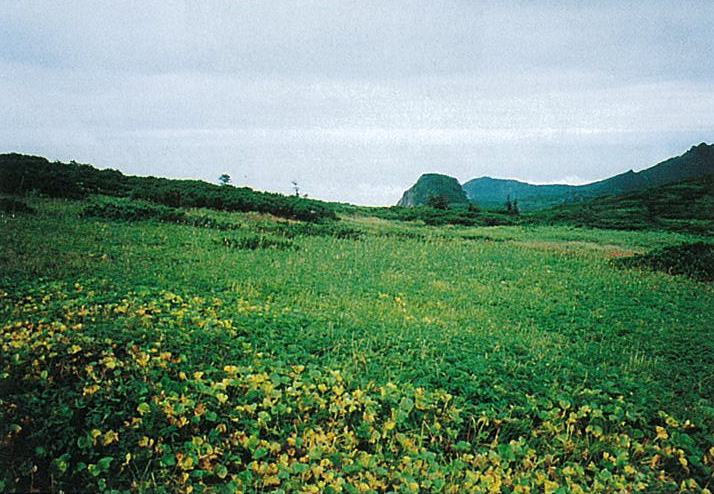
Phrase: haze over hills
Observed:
(492, 192)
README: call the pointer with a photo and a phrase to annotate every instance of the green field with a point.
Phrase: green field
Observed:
(239, 353)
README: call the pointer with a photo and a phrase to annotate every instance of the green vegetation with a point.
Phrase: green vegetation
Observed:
(695, 260)
(13, 206)
(253, 242)
(21, 174)
(145, 349)
(434, 187)
(452, 215)
(491, 192)
(686, 206)
(131, 211)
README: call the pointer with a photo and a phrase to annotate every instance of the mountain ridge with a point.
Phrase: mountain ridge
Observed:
(494, 192)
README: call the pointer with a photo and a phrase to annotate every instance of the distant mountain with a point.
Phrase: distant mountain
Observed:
(433, 185)
(697, 162)
(686, 206)
(493, 192)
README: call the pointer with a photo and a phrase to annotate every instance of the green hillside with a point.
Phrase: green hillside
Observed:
(433, 185)
(697, 162)
(492, 193)
(683, 206)
(489, 192)
(21, 174)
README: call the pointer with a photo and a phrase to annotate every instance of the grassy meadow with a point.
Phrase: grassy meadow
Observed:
(240, 353)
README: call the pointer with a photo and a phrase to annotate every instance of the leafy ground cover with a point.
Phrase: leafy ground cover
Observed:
(143, 356)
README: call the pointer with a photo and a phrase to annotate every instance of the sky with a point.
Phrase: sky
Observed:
(355, 99)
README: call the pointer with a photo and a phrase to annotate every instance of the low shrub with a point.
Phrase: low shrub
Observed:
(13, 206)
(695, 260)
(256, 242)
(451, 216)
(292, 230)
(206, 222)
(20, 174)
(132, 211)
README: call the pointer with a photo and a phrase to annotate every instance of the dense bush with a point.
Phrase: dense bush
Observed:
(254, 242)
(450, 216)
(695, 260)
(292, 230)
(20, 174)
(132, 211)
(197, 194)
(207, 222)
(12, 206)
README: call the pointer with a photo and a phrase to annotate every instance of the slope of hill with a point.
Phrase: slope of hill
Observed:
(682, 206)
(697, 162)
(490, 192)
(21, 173)
(433, 185)
(493, 193)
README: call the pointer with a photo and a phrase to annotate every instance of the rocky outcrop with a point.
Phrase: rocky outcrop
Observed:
(433, 185)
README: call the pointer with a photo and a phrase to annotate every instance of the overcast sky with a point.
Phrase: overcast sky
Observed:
(354, 100)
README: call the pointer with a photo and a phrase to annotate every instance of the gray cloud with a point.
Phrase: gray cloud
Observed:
(355, 99)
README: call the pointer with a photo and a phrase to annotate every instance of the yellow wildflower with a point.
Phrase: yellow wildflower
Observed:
(110, 437)
(90, 390)
(661, 432)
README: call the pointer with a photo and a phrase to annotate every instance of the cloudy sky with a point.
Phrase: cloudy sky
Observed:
(355, 99)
